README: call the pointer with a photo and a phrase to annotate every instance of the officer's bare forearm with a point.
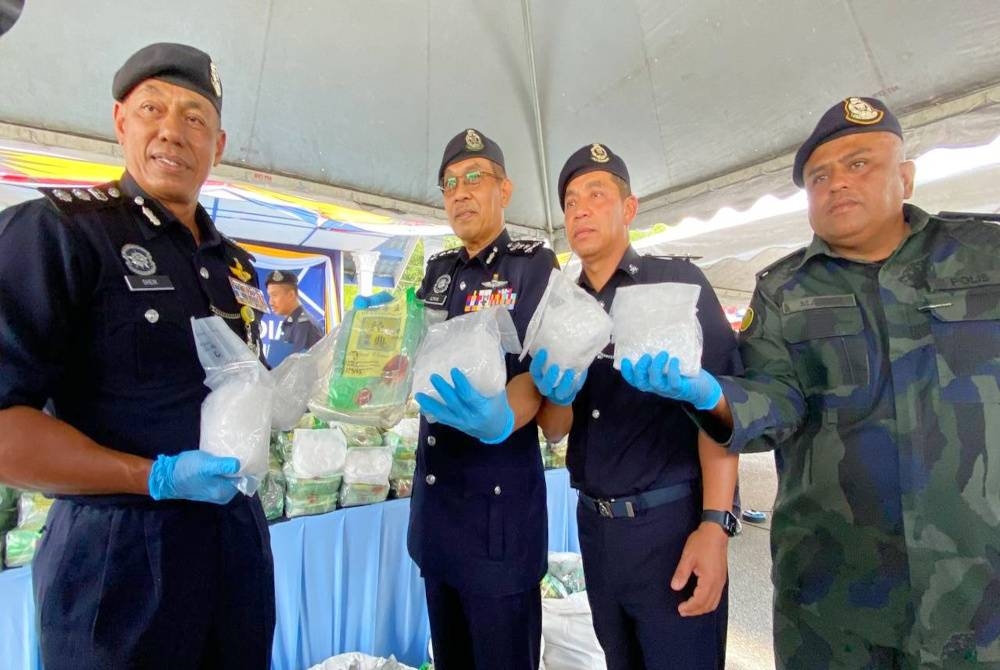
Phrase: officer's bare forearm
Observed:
(523, 398)
(555, 420)
(42, 453)
(719, 470)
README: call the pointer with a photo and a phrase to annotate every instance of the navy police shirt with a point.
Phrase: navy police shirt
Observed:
(477, 517)
(299, 330)
(625, 441)
(98, 287)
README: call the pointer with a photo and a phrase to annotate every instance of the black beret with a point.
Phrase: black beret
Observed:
(177, 64)
(279, 277)
(470, 143)
(591, 158)
(852, 115)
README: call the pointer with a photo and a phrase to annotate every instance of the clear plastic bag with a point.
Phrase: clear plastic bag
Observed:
(236, 415)
(569, 324)
(475, 344)
(368, 465)
(366, 378)
(650, 318)
(318, 453)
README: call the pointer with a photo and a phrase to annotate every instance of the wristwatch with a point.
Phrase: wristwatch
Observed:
(726, 519)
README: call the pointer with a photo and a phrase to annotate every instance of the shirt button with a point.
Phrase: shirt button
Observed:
(601, 303)
(139, 200)
(461, 286)
(430, 479)
(204, 273)
(596, 414)
(152, 315)
(496, 490)
(431, 440)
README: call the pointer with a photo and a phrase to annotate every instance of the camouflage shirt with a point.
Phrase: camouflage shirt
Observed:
(878, 387)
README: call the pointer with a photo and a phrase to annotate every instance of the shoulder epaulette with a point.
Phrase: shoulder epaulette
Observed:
(675, 257)
(524, 247)
(993, 217)
(80, 199)
(445, 254)
(794, 256)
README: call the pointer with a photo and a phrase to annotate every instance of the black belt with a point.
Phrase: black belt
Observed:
(628, 505)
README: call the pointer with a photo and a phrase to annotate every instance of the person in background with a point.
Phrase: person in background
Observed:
(298, 330)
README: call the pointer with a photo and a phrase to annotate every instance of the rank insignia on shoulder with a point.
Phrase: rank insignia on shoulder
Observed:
(454, 251)
(81, 199)
(524, 247)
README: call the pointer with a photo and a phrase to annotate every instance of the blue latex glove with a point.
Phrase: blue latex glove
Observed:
(489, 419)
(559, 387)
(366, 301)
(656, 375)
(194, 475)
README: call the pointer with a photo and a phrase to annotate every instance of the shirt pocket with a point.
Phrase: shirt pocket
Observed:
(149, 335)
(965, 325)
(829, 352)
(491, 499)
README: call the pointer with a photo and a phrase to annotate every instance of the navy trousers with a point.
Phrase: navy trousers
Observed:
(628, 563)
(155, 585)
(476, 632)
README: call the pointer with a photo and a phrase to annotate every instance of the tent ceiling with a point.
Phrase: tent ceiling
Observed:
(705, 100)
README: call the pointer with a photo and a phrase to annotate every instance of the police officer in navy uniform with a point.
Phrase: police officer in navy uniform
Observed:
(644, 471)
(298, 329)
(478, 523)
(150, 557)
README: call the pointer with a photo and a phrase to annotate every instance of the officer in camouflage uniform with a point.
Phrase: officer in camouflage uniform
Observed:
(873, 369)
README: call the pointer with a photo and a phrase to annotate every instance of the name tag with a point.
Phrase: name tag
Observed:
(249, 295)
(818, 302)
(151, 283)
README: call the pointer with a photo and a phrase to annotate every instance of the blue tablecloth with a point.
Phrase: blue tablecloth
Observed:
(343, 581)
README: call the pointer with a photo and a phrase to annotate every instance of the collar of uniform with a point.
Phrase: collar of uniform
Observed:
(294, 316)
(210, 236)
(916, 220)
(489, 254)
(628, 266)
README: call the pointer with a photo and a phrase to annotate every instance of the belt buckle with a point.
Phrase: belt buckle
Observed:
(604, 507)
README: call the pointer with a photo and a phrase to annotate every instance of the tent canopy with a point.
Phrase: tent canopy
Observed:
(706, 101)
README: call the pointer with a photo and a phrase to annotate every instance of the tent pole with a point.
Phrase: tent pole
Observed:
(539, 134)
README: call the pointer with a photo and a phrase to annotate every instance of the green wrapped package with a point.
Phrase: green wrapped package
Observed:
(363, 494)
(32, 510)
(402, 487)
(404, 462)
(272, 494)
(21, 544)
(8, 508)
(361, 436)
(371, 370)
(316, 495)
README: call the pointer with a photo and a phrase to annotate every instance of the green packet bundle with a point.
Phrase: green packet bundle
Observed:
(32, 510)
(404, 462)
(371, 371)
(272, 494)
(316, 495)
(363, 494)
(21, 544)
